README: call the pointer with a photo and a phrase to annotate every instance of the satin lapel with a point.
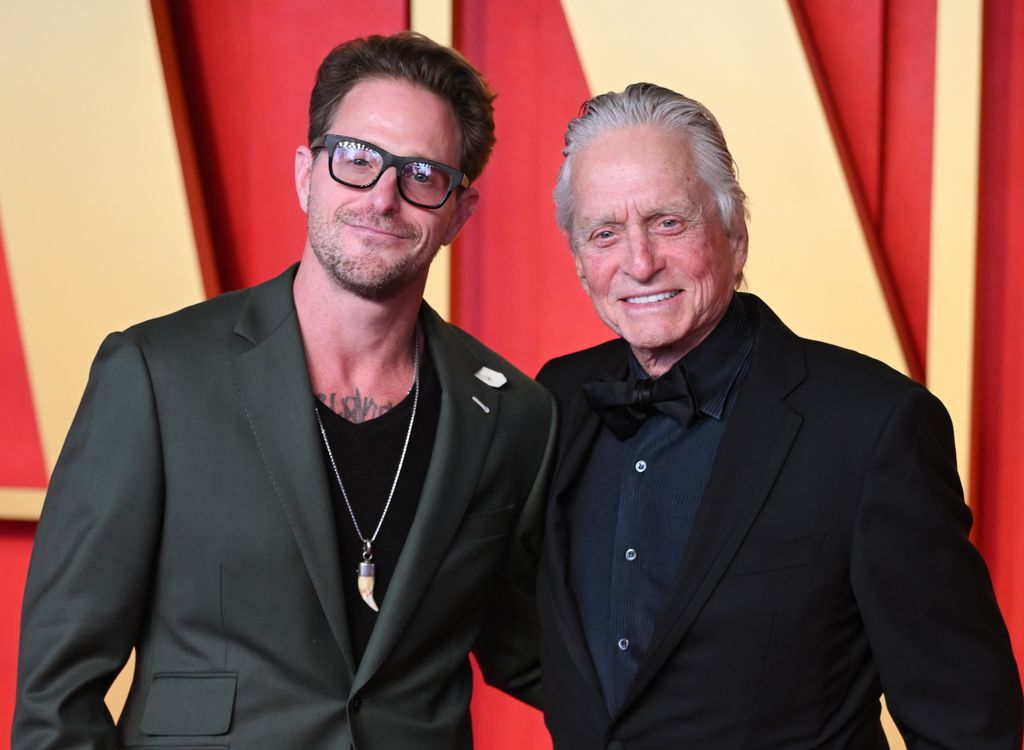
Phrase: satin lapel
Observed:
(568, 624)
(579, 423)
(464, 433)
(757, 439)
(273, 387)
(580, 426)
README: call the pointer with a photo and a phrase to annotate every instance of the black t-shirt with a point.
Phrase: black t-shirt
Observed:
(367, 455)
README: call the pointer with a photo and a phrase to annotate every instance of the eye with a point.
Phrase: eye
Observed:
(356, 155)
(419, 172)
(603, 237)
(669, 225)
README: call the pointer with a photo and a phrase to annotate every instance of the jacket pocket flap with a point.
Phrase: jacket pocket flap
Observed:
(768, 555)
(190, 704)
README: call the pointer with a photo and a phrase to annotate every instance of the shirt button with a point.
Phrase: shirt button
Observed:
(631, 554)
(641, 466)
(623, 644)
(355, 704)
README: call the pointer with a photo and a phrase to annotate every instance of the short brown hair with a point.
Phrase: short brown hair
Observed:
(412, 57)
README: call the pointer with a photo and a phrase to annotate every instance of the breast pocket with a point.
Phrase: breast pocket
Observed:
(770, 555)
(190, 704)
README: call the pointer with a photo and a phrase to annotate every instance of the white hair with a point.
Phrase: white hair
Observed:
(645, 104)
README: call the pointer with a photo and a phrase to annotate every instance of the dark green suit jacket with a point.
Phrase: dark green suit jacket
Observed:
(189, 517)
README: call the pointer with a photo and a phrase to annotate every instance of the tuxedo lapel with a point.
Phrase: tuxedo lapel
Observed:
(274, 389)
(469, 413)
(569, 626)
(758, 437)
(579, 424)
(578, 430)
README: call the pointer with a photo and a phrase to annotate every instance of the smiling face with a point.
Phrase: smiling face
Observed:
(370, 241)
(648, 243)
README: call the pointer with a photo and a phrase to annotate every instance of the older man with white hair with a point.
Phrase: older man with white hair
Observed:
(750, 535)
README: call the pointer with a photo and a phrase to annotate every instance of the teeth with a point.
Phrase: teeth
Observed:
(648, 298)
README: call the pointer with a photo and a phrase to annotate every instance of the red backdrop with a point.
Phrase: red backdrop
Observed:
(997, 459)
(21, 455)
(874, 64)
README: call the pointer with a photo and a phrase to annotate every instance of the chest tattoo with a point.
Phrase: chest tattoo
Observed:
(355, 407)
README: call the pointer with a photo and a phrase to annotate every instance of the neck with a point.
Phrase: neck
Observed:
(359, 352)
(656, 362)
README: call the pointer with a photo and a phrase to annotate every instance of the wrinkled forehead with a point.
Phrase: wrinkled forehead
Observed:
(634, 169)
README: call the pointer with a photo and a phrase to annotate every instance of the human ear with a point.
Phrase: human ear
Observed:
(303, 175)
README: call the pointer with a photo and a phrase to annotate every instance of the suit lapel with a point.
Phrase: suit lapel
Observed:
(569, 626)
(464, 433)
(274, 388)
(580, 424)
(757, 439)
(579, 429)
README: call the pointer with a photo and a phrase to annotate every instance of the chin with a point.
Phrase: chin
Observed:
(648, 339)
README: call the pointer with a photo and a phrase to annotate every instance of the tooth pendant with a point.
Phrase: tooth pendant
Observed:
(367, 574)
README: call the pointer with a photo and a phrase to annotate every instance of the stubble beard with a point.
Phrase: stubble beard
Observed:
(367, 275)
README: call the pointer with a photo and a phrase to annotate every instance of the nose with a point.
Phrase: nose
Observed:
(384, 194)
(641, 261)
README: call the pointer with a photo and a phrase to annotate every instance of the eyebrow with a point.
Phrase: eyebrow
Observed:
(690, 212)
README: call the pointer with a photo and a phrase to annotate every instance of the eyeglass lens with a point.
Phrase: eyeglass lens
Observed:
(419, 182)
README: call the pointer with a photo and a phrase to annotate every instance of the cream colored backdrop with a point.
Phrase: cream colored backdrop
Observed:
(95, 224)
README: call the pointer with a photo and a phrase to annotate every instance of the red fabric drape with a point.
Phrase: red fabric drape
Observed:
(246, 71)
(21, 453)
(998, 461)
(874, 65)
(514, 286)
(15, 546)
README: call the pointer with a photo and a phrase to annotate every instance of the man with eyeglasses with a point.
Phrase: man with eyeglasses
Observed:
(303, 503)
(750, 535)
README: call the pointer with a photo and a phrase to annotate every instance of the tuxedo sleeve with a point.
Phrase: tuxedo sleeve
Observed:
(507, 650)
(936, 633)
(91, 560)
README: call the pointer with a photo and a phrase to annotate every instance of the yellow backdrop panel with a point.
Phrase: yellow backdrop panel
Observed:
(96, 226)
(955, 216)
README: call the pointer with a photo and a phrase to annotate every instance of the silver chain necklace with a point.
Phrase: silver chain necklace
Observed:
(367, 568)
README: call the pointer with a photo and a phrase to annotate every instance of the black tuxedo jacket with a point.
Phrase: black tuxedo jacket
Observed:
(829, 561)
(189, 516)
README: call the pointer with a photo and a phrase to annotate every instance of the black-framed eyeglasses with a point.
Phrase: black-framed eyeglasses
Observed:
(359, 164)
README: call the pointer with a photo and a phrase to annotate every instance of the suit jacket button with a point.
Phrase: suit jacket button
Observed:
(354, 705)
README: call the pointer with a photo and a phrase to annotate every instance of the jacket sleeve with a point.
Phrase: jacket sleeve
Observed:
(938, 639)
(91, 561)
(507, 650)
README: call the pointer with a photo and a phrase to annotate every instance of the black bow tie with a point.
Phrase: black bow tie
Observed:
(624, 406)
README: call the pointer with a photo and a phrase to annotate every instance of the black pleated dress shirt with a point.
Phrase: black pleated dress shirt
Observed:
(631, 511)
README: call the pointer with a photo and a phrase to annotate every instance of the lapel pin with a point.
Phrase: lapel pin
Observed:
(481, 404)
(491, 377)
